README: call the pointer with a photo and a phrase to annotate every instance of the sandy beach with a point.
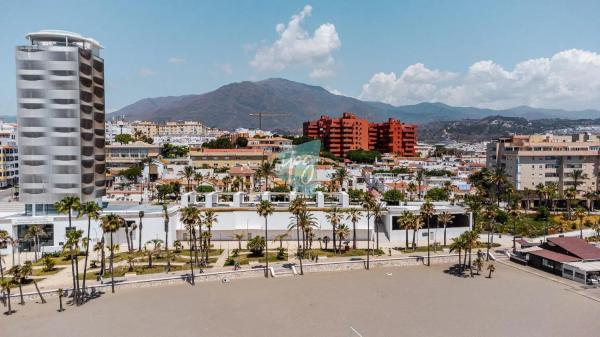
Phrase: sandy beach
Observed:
(408, 301)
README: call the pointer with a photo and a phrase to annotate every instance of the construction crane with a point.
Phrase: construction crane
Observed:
(260, 116)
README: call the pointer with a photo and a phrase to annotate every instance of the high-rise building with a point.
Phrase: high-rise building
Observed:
(349, 132)
(393, 136)
(543, 159)
(340, 135)
(60, 102)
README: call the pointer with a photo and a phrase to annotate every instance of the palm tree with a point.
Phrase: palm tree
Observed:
(458, 244)
(190, 216)
(16, 272)
(265, 209)
(490, 214)
(497, 179)
(377, 213)
(478, 263)
(267, 170)
(471, 239)
(445, 218)
(578, 176)
(280, 238)
(110, 224)
(405, 221)
(99, 247)
(340, 175)
(34, 233)
(239, 237)
(354, 215)
(210, 218)
(590, 196)
(140, 227)
(527, 192)
(92, 211)
(580, 214)
(343, 231)
(188, 174)
(296, 206)
(368, 205)
(412, 189)
(334, 217)
(6, 284)
(166, 222)
(420, 177)
(417, 224)
(570, 194)
(4, 239)
(72, 245)
(67, 205)
(427, 210)
(154, 250)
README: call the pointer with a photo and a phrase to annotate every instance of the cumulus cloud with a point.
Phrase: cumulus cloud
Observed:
(225, 68)
(145, 72)
(176, 60)
(296, 46)
(569, 79)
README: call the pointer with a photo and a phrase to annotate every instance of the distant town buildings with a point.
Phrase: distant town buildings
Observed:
(214, 158)
(9, 157)
(542, 159)
(60, 102)
(349, 132)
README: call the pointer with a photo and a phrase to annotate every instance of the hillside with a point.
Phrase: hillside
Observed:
(229, 107)
(475, 130)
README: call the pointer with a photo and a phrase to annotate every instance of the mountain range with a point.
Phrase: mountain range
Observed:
(230, 106)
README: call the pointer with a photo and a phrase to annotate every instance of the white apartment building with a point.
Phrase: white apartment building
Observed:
(542, 159)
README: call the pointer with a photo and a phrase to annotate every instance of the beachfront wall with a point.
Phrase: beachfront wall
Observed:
(57, 227)
(461, 222)
(250, 224)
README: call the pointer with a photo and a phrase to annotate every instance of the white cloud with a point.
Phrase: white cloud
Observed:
(225, 68)
(569, 79)
(176, 60)
(296, 46)
(145, 72)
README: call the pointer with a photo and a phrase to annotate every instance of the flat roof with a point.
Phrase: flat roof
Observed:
(585, 266)
(58, 35)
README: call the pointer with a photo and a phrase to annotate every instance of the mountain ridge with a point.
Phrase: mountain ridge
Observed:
(228, 107)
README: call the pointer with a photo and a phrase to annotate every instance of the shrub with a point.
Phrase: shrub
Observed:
(542, 214)
(235, 253)
(393, 197)
(204, 189)
(280, 254)
(48, 262)
(256, 246)
(437, 194)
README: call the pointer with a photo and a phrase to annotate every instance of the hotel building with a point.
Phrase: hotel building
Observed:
(349, 132)
(543, 159)
(60, 102)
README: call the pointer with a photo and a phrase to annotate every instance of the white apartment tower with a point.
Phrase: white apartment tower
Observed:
(60, 103)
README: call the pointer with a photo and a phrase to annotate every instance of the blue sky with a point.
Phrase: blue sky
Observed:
(480, 53)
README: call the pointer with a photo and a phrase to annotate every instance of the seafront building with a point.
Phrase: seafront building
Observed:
(530, 160)
(60, 103)
(9, 155)
(349, 132)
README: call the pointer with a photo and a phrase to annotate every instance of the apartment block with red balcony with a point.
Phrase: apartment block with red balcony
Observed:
(340, 135)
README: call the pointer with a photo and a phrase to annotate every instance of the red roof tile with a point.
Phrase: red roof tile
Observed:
(554, 256)
(577, 247)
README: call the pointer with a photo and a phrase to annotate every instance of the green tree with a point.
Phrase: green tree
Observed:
(124, 138)
(296, 207)
(580, 214)
(188, 173)
(210, 218)
(110, 224)
(405, 221)
(72, 246)
(354, 216)
(343, 231)
(393, 197)
(256, 246)
(92, 211)
(437, 194)
(363, 156)
(34, 233)
(368, 205)
(445, 218)
(340, 176)
(190, 216)
(427, 210)
(241, 142)
(265, 209)
(334, 217)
